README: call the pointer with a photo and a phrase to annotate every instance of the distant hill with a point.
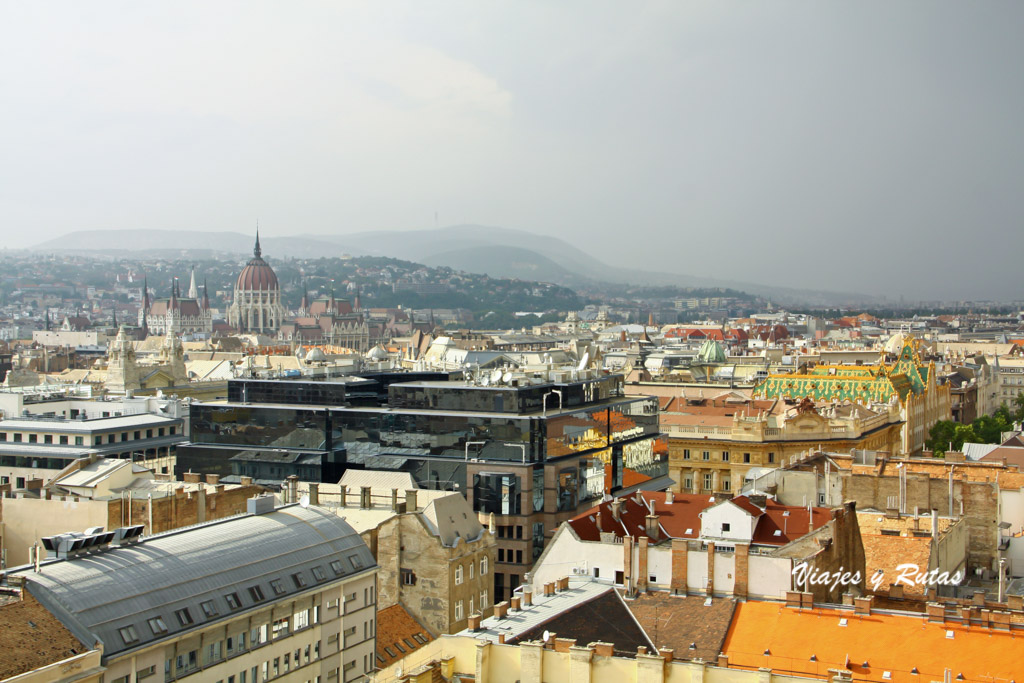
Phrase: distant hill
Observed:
(498, 252)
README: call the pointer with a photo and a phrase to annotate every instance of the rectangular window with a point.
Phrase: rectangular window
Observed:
(726, 485)
(687, 483)
(280, 628)
(771, 457)
(208, 608)
(48, 438)
(725, 456)
(300, 620)
(79, 441)
(318, 573)
(299, 579)
(686, 454)
(746, 457)
(726, 527)
(458, 610)
(157, 626)
(124, 436)
(277, 586)
(483, 596)
(458, 575)
(256, 593)
(63, 439)
(17, 438)
(336, 567)
(705, 455)
(408, 577)
(128, 634)
(233, 601)
(184, 616)
(708, 482)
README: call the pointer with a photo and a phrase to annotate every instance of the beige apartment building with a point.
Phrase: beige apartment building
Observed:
(285, 594)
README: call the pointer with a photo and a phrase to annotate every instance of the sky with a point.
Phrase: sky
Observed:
(861, 146)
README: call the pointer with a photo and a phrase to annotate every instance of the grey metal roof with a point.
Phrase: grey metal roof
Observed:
(103, 592)
(97, 424)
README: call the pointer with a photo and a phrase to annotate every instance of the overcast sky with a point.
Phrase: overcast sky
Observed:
(869, 146)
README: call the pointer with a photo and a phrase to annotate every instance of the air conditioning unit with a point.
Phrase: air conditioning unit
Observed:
(577, 570)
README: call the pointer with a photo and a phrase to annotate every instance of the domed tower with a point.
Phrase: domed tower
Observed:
(256, 306)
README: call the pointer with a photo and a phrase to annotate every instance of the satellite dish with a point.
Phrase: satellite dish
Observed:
(496, 375)
(547, 635)
(584, 361)
(507, 377)
(398, 671)
(304, 501)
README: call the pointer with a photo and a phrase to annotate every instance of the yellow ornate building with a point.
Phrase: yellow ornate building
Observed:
(908, 383)
(713, 453)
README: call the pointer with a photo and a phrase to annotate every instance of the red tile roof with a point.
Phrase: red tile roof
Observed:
(399, 632)
(680, 519)
(790, 527)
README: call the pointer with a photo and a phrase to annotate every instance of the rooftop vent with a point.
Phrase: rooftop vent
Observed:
(260, 505)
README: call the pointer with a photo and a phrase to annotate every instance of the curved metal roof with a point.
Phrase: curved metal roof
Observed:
(104, 592)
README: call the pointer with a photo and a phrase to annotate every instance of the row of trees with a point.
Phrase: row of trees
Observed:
(946, 434)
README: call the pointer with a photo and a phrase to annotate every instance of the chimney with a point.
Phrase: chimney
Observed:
(616, 506)
(669, 497)
(293, 489)
(527, 596)
(862, 605)
(549, 589)
(190, 477)
(935, 523)
(474, 622)
(500, 610)
(365, 498)
(652, 527)
(515, 600)
(314, 493)
(394, 500)
(667, 653)
(245, 481)
(501, 639)
(343, 492)
(410, 500)
(212, 479)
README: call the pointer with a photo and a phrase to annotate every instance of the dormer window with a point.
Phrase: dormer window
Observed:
(726, 527)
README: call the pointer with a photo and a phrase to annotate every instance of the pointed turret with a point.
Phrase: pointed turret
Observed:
(193, 290)
(256, 251)
(206, 296)
(356, 305)
(304, 306)
(331, 304)
(174, 294)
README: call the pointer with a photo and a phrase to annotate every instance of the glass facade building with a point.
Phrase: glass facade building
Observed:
(524, 454)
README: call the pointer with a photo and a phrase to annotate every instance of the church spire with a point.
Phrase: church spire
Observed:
(206, 296)
(304, 306)
(145, 292)
(193, 290)
(257, 252)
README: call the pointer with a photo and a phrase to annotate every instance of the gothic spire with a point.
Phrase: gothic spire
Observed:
(206, 296)
(257, 252)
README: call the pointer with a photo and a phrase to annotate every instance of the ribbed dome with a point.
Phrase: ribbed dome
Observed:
(257, 274)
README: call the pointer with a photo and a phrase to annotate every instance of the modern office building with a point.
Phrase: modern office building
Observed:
(38, 446)
(531, 451)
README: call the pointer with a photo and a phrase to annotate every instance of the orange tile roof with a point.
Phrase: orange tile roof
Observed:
(399, 632)
(886, 642)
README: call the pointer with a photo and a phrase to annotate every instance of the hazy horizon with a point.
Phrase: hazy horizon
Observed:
(852, 147)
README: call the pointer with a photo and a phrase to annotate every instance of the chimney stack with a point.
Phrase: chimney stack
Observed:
(474, 622)
(500, 610)
(343, 493)
(365, 498)
(394, 500)
(935, 523)
(527, 596)
(669, 497)
(616, 507)
(515, 600)
(652, 527)
(314, 493)
(410, 500)
(213, 479)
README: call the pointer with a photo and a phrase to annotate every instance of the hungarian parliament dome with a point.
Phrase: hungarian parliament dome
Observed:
(256, 306)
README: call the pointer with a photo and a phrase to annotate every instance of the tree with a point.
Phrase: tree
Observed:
(940, 436)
